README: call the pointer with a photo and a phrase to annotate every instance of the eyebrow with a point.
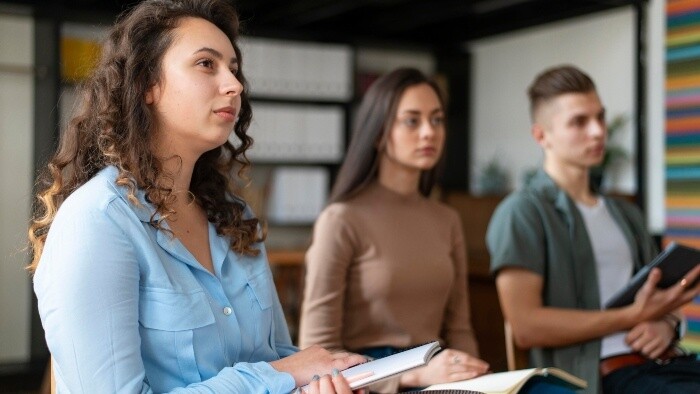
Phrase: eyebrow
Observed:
(417, 112)
(215, 53)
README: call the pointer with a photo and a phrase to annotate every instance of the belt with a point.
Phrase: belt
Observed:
(612, 364)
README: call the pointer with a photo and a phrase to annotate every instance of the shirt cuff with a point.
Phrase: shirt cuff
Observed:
(276, 381)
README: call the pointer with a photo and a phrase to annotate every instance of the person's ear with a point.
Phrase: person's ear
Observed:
(539, 134)
(152, 94)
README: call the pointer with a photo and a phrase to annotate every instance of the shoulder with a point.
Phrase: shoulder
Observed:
(520, 214)
(100, 197)
(96, 195)
(519, 202)
(337, 213)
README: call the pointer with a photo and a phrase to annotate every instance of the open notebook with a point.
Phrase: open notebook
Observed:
(513, 381)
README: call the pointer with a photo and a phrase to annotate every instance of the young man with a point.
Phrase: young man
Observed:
(559, 250)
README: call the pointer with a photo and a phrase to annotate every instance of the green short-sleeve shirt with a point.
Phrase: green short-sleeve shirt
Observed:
(540, 229)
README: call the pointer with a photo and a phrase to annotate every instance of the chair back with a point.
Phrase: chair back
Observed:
(517, 358)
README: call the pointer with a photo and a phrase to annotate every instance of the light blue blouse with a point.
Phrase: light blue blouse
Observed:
(126, 308)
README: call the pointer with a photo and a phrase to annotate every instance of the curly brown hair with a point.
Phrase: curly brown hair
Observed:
(112, 126)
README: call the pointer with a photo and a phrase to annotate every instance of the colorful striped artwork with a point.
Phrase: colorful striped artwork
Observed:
(683, 137)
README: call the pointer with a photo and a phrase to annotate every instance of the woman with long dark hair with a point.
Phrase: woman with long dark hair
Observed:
(386, 269)
(149, 268)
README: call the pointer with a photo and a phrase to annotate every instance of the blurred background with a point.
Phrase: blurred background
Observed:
(308, 63)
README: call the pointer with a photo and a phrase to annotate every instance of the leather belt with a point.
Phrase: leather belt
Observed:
(612, 364)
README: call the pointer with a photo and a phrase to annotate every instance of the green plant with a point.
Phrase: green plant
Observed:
(493, 178)
(614, 152)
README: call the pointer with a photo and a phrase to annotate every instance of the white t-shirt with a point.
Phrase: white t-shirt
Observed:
(614, 264)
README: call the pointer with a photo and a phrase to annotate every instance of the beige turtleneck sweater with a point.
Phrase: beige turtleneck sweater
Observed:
(385, 269)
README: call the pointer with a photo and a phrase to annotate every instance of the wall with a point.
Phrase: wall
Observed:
(503, 67)
(16, 167)
(383, 60)
(655, 189)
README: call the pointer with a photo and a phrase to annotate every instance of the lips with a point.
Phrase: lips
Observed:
(428, 150)
(598, 150)
(227, 113)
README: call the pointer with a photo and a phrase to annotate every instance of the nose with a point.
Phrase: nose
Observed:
(598, 128)
(231, 86)
(428, 130)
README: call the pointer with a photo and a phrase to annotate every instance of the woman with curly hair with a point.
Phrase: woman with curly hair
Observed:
(149, 268)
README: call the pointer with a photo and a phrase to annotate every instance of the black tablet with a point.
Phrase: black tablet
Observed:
(674, 262)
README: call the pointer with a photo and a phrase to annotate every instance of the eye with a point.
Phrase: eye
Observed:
(208, 63)
(579, 121)
(437, 120)
(410, 122)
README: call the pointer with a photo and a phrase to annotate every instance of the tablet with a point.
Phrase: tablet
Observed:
(674, 262)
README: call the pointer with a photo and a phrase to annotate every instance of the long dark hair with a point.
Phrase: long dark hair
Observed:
(112, 125)
(373, 123)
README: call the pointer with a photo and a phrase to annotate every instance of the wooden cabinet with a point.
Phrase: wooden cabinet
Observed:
(288, 272)
(487, 318)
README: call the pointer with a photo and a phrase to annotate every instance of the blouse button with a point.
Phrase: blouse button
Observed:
(227, 310)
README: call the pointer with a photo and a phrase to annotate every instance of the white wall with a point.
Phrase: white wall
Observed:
(16, 168)
(602, 44)
(656, 116)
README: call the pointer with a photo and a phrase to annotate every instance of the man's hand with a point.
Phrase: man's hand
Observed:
(652, 303)
(651, 338)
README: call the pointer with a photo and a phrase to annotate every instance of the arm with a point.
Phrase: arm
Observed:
(327, 262)
(535, 325)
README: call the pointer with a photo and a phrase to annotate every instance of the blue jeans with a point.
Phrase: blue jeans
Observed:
(380, 351)
(681, 375)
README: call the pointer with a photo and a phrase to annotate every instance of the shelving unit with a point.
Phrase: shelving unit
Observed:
(301, 96)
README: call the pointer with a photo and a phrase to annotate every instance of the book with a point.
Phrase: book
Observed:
(675, 261)
(520, 381)
(383, 368)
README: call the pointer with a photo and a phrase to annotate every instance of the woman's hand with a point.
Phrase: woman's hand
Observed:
(651, 338)
(315, 361)
(449, 365)
(330, 384)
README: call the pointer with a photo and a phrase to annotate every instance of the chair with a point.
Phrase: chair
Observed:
(53, 379)
(48, 383)
(517, 358)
